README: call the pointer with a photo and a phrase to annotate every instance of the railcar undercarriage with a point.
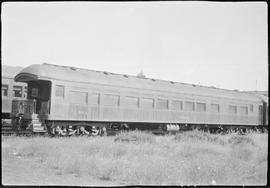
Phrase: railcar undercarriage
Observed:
(67, 128)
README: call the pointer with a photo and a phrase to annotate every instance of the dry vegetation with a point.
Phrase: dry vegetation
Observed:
(135, 158)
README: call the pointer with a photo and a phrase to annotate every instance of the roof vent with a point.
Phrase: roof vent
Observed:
(141, 75)
(73, 68)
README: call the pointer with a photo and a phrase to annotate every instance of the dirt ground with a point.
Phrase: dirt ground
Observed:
(17, 170)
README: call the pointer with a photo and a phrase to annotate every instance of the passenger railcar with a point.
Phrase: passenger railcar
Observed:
(67, 100)
(10, 90)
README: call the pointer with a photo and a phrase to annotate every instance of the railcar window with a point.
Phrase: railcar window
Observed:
(232, 109)
(59, 91)
(243, 110)
(214, 107)
(251, 108)
(162, 104)
(25, 92)
(131, 101)
(111, 100)
(147, 103)
(4, 90)
(177, 105)
(17, 91)
(201, 107)
(94, 99)
(34, 92)
(189, 106)
(78, 97)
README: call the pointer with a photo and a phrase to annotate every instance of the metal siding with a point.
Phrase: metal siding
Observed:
(178, 117)
(146, 115)
(93, 81)
(130, 114)
(161, 115)
(77, 112)
(111, 114)
(94, 112)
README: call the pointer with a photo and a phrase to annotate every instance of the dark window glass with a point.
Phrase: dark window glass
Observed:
(34, 92)
(4, 90)
(17, 91)
(25, 92)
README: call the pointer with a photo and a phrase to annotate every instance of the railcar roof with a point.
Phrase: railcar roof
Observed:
(55, 72)
(10, 71)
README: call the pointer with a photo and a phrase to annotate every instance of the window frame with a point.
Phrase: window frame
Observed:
(204, 107)
(246, 110)
(36, 92)
(236, 111)
(76, 91)
(181, 105)
(193, 108)
(251, 108)
(5, 90)
(91, 97)
(56, 91)
(211, 107)
(111, 105)
(14, 91)
(144, 107)
(162, 99)
(129, 105)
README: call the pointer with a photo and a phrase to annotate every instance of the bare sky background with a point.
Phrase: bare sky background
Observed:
(209, 43)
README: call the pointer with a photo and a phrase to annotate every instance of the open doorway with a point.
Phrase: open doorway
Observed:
(40, 91)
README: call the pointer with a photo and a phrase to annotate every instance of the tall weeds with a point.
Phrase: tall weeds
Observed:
(134, 158)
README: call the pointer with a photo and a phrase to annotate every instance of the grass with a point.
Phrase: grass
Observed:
(135, 158)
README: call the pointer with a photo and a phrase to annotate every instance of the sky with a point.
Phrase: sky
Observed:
(221, 44)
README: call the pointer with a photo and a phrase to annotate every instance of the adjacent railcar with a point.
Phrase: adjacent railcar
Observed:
(10, 90)
(66, 100)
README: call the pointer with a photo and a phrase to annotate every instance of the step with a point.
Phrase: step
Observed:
(6, 128)
(24, 131)
(8, 133)
(7, 120)
(36, 122)
(37, 125)
(39, 131)
(38, 128)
